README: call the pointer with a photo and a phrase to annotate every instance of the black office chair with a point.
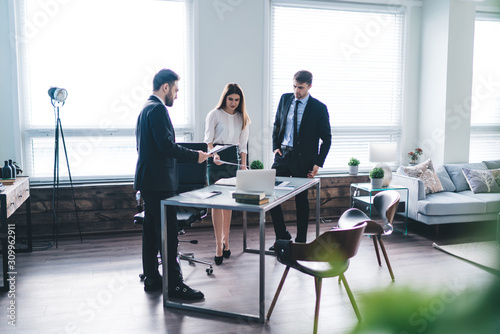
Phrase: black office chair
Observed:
(191, 176)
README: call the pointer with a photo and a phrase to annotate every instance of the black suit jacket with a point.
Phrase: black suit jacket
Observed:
(315, 125)
(156, 168)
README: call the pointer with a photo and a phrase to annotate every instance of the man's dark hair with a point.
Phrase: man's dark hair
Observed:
(163, 77)
(304, 77)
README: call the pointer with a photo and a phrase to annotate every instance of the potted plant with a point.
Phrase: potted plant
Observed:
(413, 156)
(376, 177)
(353, 166)
(256, 164)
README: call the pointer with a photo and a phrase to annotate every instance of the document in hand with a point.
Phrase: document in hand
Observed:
(218, 148)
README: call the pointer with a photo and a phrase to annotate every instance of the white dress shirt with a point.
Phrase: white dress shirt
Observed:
(224, 128)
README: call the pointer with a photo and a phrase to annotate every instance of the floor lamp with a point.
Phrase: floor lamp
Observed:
(381, 153)
(58, 97)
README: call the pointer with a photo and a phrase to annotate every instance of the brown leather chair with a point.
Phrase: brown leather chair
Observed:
(327, 256)
(386, 203)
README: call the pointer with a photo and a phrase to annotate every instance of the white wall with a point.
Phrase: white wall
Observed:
(231, 47)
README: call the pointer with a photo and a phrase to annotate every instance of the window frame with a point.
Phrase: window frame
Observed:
(30, 132)
(484, 137)
(382, 133)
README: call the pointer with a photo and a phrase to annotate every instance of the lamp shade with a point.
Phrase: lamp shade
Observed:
(382, 152)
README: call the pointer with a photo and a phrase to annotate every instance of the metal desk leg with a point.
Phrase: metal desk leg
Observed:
(318, 199)
(164, 265)
(262, 276)
(244, 230)
(190, 307)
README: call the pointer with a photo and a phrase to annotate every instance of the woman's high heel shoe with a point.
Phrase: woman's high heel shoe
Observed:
(218, 260)
(226, 253)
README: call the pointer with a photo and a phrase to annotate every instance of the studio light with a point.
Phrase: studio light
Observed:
(57, 98)
(58, 94)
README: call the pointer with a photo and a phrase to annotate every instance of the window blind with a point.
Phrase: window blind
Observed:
(485, 97)
(105, 53)
(355, 53)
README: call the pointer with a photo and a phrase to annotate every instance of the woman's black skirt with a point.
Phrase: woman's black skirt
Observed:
(215, 172)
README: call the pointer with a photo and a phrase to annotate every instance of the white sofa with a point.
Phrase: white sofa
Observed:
(457, 203)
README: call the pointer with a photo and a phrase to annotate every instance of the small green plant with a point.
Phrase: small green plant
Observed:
(353, 162)
(256, 164)
(377, 173)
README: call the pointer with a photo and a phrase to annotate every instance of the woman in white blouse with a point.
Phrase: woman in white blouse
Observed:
(227, 124)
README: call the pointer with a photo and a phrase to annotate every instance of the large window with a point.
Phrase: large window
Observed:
(355, 53)
(485, 98)
(105, 54)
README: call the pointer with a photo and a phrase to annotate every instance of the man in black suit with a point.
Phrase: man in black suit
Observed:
(301, 122)
(157, 178)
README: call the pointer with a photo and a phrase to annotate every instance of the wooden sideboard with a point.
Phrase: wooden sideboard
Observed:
(11, 198)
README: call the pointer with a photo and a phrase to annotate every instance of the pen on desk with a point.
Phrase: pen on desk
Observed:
(214, 193)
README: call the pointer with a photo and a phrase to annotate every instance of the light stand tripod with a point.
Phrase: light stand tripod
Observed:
(55, 191)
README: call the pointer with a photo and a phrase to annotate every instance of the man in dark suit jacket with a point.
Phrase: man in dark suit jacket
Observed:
(157, 178)
(299, 152)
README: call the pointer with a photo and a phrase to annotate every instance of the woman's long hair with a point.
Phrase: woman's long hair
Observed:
(234, 88)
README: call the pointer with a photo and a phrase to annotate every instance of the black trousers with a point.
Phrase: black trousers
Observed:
(286, 165)
(151, 237)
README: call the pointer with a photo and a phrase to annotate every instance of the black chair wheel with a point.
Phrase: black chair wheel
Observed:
(210, 270)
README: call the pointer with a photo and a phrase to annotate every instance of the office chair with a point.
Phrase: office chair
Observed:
(386, 203)
(191, 176)
(327, 256)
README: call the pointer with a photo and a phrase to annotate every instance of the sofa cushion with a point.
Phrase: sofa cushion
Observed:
(450, 203)
(492, 200)
(456, 175)
(492, 164)
(445, 179)
(496, 175)
(481, 181)
(425, 172)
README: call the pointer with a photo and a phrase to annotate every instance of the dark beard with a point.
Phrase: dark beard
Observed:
(169, 101)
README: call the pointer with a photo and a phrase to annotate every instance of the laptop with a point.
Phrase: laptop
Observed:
(256, 180)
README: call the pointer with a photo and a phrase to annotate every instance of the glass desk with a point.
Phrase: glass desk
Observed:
(198, 198)
(363, 193)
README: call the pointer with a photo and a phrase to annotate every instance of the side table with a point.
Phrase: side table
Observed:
(364, 193)
(11, 198)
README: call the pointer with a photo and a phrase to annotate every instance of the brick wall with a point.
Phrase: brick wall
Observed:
(108, 209)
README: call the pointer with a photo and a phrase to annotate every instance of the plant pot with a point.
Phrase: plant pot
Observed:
(376, 183)
(353, 170)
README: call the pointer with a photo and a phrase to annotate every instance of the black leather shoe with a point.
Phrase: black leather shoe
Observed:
(182, 291)
(226, 253)
(287, 236)
(153, 284)
(218, 260)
